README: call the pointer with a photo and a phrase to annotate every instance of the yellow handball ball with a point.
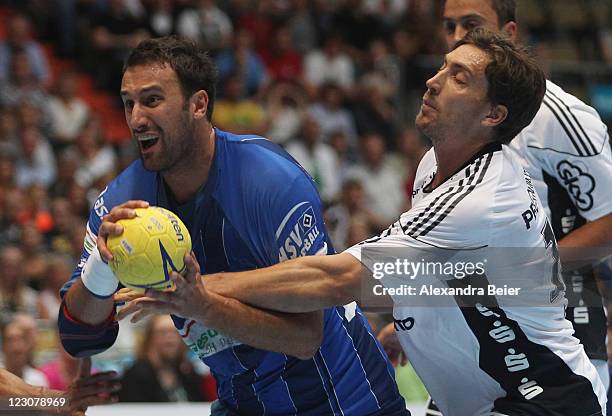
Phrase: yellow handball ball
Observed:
(152, 245)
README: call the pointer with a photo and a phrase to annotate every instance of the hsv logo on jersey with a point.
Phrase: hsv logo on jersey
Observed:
(299, 233)
(579, 184)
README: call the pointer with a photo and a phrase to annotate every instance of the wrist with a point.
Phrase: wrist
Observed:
(97, 276)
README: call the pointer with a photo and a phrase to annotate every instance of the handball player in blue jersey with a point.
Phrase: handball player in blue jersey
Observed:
(247, 205)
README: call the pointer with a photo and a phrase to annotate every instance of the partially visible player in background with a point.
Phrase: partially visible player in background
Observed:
(247, 204)
(87, 390)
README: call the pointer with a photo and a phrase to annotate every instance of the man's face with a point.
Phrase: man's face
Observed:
(456, 101)
(461, 16)
(157, 115)
(14, 346)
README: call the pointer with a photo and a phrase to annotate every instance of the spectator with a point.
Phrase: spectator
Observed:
(357, 27)
(68, 113)
(113, 34)
(303, 27)
(162, 18)
(34, 268)
(60, 372)
(236, 114)
(8, 132)
(95, 159)
(411, 149)
(63, 222)
(21, 84)
(259, 23)
(36, 164)
(207, 25)
(30, 332)
(283, 62)
(7, 168)
(68, 161)
(285, 106)
(16, 351)
(318, 158)
(19, 39)
(331, 116)
(14, 213)
(329, 64)
(59, 267)
(161, 373)
(243, 61)
(351, 209)
(15, 296)
(382, 183)
(373, 110)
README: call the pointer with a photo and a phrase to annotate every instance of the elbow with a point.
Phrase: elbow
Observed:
(312, 337)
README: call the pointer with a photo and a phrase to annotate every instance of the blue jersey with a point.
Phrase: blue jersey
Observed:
(258, 207)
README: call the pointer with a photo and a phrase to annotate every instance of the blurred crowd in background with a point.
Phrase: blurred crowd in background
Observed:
(336, 82)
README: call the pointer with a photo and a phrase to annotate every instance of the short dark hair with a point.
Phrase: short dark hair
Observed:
(514, 79)
(505, 10)
(194, 68)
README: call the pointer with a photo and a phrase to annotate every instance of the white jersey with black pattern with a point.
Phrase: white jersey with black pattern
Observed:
(566, 150)
(568, 141)
(511, 353)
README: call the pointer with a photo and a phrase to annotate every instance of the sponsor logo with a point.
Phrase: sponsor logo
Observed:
(205, 341)
(301, 238)
(403, 324)
(531, 213)
(99, 206)
(578, 182)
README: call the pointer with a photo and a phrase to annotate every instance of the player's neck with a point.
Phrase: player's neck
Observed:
(451, 155)
(189, 176)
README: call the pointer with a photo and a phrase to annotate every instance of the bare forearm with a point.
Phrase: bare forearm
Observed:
(85, 307)
(298, 335)
(302, 285)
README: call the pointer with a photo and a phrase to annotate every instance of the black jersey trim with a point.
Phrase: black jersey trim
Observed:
(460, 197)
(411, 228)
(569, 111)
(565, 116)
(548, 104)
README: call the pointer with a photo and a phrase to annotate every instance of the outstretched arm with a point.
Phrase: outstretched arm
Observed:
(300, 285)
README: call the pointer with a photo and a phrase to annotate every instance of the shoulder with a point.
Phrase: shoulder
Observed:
(566, 125)
(135, 182)
(259, 164)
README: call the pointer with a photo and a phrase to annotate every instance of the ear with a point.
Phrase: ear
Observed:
(496, 116)
(199, 104)
(510, 29)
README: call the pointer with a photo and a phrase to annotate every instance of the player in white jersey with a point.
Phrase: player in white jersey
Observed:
(491, 356)
(566, 151)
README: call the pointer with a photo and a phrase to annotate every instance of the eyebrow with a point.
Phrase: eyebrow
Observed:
(463, 18)
(461, 67)
(143, 90)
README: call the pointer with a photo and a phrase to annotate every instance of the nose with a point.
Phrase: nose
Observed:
(460, 33)
(433, 83)
(137, 118)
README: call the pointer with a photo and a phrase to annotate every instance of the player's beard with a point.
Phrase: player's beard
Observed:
(176, 146)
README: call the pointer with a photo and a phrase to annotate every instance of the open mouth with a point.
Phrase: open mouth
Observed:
(147, 141)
